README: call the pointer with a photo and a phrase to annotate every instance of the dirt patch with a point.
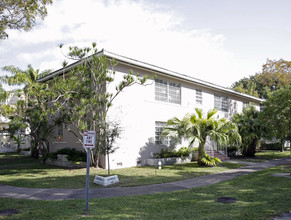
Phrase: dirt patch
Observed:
(8, 212)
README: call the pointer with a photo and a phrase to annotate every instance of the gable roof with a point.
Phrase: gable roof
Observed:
(157, 70)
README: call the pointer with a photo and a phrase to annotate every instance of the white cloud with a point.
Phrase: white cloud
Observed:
(129, 28)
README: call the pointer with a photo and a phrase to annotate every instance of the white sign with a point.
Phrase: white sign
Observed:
(89, 139)
(105, 181)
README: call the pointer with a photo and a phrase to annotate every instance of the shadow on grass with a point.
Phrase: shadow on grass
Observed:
(259, 195)
(46, 176)
(38, 175)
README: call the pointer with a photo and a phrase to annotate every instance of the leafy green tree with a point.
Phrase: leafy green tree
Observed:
(250, 128)
(35, 109)
(3, 93)
(20, 14)
(5, 110)
(196, 127)
(83, 97)
(247, 86)
(277, 115)
(275, 75)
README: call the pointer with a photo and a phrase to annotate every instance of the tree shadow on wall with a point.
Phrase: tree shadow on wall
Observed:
(149, 149)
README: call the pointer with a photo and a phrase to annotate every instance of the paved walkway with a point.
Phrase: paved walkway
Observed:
(64, 194)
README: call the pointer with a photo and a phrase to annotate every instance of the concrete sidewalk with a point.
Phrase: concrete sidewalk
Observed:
(64, 194)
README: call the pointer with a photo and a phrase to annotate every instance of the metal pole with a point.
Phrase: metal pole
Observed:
(87, 180)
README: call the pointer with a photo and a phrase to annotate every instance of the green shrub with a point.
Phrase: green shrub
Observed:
(182, 152)
(209, 161)
(73, 154)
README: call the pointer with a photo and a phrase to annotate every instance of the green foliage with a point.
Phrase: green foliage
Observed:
(250, 128)
(196, 127)
(3, 93)
(34, 111)
(276, 115)
(209, 161)
(21, 14)
(73, 154)
(182, 152)
(275, 74)
(19, 140)
(87, 84)
(5, 110)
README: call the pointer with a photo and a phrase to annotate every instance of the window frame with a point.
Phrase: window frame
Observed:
(199, 97)
(159, 140)
(221, 103)
(60, 133)
(169, 92)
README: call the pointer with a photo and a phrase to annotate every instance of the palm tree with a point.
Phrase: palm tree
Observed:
(196, 127)
(250, 129)
(35, 103)
(27, 78)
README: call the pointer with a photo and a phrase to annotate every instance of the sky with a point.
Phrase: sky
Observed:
(220, 41)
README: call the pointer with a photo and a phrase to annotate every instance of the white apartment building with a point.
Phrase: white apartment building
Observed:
(143, 110)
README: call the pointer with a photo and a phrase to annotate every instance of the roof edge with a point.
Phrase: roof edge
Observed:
(153, 68)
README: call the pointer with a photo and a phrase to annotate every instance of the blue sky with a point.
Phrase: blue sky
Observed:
(220, 41)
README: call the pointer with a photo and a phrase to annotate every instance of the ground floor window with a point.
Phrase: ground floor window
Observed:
(159, 139)
(60, 133)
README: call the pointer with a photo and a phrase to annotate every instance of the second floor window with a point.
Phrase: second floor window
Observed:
(221, 103)
(167, 91)
(199, 96)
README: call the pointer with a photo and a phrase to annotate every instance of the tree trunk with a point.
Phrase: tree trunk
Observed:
(34, 151)
(108, 163)
(251, 149)
(201, 151)
(282, 145)
(34, 148)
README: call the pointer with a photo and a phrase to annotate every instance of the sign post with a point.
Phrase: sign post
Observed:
(88, 144)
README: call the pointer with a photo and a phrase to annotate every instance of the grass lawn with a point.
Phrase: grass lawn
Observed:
(264, 156)
(260, 196)
(14, 158)
(37, 175)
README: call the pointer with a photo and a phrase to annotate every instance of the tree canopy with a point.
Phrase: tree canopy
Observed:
(277, 115)
(250, 128)
(275, 75)
(33, 111)
(20, 14)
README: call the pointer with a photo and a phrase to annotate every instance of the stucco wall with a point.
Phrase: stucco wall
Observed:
(136, 110)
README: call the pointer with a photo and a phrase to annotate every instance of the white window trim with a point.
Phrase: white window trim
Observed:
(164, 94)
(222, 100)
(199, 97)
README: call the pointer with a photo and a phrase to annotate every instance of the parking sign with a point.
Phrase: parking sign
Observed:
(89, 139)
